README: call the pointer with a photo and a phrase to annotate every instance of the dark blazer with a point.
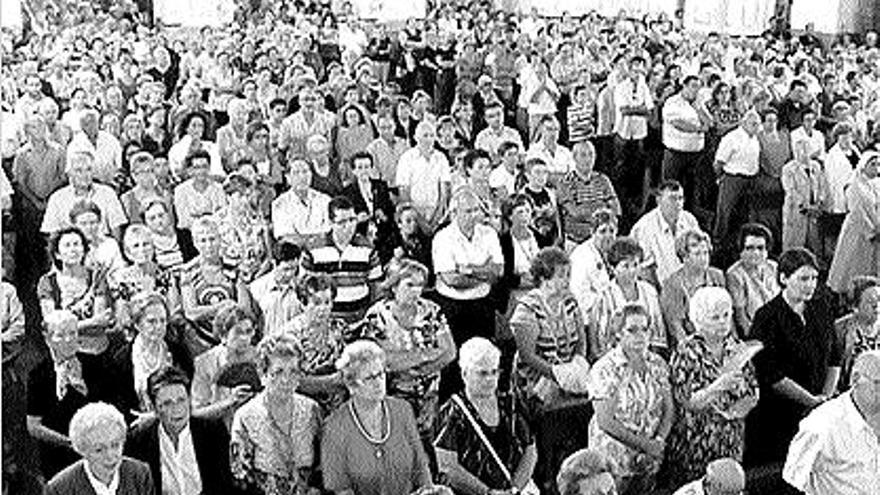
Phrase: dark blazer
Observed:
(134, 479)
(211, 443)
(381, 199)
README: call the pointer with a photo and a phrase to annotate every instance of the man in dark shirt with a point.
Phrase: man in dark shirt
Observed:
(792, 108)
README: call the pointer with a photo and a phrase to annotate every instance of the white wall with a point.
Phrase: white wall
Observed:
(10, 14)
(737, 17)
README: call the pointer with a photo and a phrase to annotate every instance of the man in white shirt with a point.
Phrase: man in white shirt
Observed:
(589, 272)
(558, 158)
(423, 177)
(737, 162)
(814, 138)
(837, 448)
(656, 231)
(491, 138)
(724, 476)
(103, 146)
(685, 123)
(502, 179)
(275, 292)
(300, 213)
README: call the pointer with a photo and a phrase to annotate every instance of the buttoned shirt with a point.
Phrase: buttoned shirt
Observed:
(657, 239)
(61, 201)
(559, 162)
(386, 155)
(279, 303)
(423, 177)
(489, 139)
(631, 94)
(291, 216)
(815, 141)
(451, 249)
(739, 153)
(180, 470)
(297, 130)
(677, 108)
(835, 451)
(99, 487)
(501, 178)
(106, 151)
(589, 276)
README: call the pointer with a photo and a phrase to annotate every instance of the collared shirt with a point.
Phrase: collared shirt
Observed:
(189, 203)
(580, 197)
(561, 161)
(835, 451)
(677, 108)
(278, 303)
(296, 130)
(180, 470)
(99, 487)
(423, 176)
(839, 172)
(353, 268)
(657, 239)
(40, 171)
(501, 178)
(61, 201)
(589, 276)
(739, 153)
(106, 150)
(386, 156)
(630, 94)
(815, 141)
(451, 249)
(291, 216)
(489, 140)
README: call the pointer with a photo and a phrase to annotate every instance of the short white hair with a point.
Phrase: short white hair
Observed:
(706, 299)
(357, 355)
(236, 104)
(475, 351)
(91, 417)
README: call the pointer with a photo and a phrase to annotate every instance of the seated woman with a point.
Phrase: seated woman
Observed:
(713, 392)
(146, 187)
(354, 133)
(170, 255)
(73, 286)
(370, 445)
(552, 367)
(624, 260)
(417, 342)
(485, 444)
(213, 399)
(752, 280)
(59, 386)
(244, 233)
(275, 434)
(408, 240)
(633, 402)
(104, 254)
(693, 248)
(262, 155)
(207, 285)
(859, 331)
(321, 338)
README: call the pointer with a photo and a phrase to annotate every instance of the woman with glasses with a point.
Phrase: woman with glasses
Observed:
(274, 435)
(752, 280)
(633, 403)
(479, 422)
(371, 444)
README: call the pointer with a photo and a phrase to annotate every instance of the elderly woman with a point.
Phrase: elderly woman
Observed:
(275, 435)
(73, 286)
(859, 331)
(633, 402)
(231, 138)
(408, 240)
(519, 247)
(198, 195)
(624, 259)
(693, 247)
(207, 285)
(552, 367)
(97, 433)
(212, 397)
(146, 187)
(244, 234)
(322, 339)
(485, 444)
(586, 472)
(752, 280)
(713, 390)
(191, 138)
(416, 339)
(370, 444)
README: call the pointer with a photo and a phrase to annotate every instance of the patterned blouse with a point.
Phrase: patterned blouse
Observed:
(857, 338)
(265, 457)
(320, 352)
(699, 437)
(638, 405)
(611, 299)
(244, 242)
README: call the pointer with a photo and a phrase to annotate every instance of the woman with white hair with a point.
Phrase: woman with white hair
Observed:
(714, 386)
(371, 444)
(485, 444)
(97, 433)
(586, 472)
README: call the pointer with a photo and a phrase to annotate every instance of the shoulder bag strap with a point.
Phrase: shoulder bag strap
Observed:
(458, 401)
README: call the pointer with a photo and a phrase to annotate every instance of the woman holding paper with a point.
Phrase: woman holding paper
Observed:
(714, 388)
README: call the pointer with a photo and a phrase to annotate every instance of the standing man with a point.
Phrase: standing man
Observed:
(104, 147)
(723, 476)
(493, 136)
(685, 123)
(737, 163)
(582, 192)
(275, 291)
(837, 448)
(423, 177)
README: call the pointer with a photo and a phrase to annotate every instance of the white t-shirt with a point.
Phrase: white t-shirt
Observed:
(451, 249)
(739, 153)
(677, 108)
(423, 177)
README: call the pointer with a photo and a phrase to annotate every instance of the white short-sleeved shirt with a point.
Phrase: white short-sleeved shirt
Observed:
(291, 216)
(739, 153)
(815, 141)
(190, 203)
(835, 451)
(626, 94)
(589, 276)
(423, 177)
(501, 178)
(451, 249)
(657, 239)
(106, 151)
(61, 201)
(560, 162)
(489, 140)
(677, 108)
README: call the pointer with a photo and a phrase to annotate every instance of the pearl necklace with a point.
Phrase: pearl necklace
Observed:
(377, 443)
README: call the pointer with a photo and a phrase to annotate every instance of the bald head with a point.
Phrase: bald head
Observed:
(725, 475)
(867, 365)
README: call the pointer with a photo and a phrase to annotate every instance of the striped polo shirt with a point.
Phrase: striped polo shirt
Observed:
(352, 268)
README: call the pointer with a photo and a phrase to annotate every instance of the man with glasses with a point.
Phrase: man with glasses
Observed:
(348, 258)
(837, 449)
(724, 476)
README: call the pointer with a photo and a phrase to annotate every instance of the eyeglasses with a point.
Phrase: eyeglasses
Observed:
(345, 221)
(373, 378)
(636, 329)
(755, 247)
(486, 372)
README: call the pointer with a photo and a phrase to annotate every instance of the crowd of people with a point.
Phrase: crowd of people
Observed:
(484, 252)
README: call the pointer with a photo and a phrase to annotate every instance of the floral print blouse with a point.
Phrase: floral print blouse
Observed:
(244, 242)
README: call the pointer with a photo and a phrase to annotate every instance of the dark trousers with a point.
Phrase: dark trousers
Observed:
(631, 177)
(682, 166)
(734, 192)
(467, 318)
(558, 434)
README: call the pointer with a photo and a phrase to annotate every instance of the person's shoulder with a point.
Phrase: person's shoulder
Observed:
(69, 479)
(338, 420)
(692, 488)
(133, 467)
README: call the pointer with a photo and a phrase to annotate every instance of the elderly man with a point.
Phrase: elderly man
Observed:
(837, 449)
(311, 119)
(80, 172)
(423, 176)
(737, 162)
(187, 455)
(467, 260)
(723, 476)
(685, 123)
(97, 433)
(586, 472)
(103, 146)
(582, 192)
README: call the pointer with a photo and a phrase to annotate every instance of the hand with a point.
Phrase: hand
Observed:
(241, 394)
(726, 381)
(818, 400)
(141, 418)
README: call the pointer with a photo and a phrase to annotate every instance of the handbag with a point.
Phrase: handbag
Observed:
(530, 488)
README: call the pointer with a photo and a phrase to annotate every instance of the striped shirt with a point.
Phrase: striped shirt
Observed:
(579, 198)
(353, 268)
(581, 122)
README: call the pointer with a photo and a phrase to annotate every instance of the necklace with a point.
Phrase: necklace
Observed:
(377, 443)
